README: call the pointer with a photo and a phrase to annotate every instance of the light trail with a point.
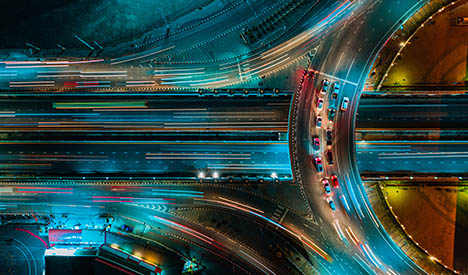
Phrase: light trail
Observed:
(298, 236)
(188, 231)
(100, 105)
(121, 60)
(352, 236)
(34, 235)
(240, 204)
(265, 269)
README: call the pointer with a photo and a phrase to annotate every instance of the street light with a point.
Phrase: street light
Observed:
(201, 175)
(215, 175)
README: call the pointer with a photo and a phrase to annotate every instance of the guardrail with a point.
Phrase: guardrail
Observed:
(255, 33)
(292, 132)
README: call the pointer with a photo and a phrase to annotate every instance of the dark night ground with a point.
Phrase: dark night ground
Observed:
(47, 22)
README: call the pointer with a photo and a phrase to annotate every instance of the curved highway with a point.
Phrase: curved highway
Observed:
(342, 38)
(348, 64)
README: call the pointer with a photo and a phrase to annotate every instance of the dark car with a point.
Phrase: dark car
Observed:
(329, 137)
(331, 114)
(311, 73)
(329, 156)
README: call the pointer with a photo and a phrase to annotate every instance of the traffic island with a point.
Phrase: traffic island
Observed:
(397, 231)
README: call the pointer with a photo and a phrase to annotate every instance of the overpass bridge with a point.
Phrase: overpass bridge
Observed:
(129, 136)
(412, 135)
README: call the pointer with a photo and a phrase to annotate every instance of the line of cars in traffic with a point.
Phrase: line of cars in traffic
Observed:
(331, 113)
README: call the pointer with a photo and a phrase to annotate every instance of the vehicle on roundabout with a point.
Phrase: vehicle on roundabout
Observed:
(336, 91)
(319, 104)
(329, 136)
(326, 186)
(335, 181)
(329, 155)
(344, 104)
(325, 85)
(318, 122)
(316, 144)
(331, 203)
(334, 95)
(318, 164)
(331, 114)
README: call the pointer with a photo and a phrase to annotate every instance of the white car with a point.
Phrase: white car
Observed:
(344, 104)
(319, 104)
(318, 122)
(325, 84)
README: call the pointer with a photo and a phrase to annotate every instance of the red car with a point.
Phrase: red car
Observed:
(335, 181)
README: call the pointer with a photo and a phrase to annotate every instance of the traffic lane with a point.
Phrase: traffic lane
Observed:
(340, 218)
(352, 66)
(321, 10)
(314, 192)
(20, 251)
(27, 69)
(362, 219)
(417, 156)
(208, 238)
(214, 78)
(442, 113)
(162, 198)
(190, 159)
(345, 235)
(145, 114)
(199, 35)
(147, 200)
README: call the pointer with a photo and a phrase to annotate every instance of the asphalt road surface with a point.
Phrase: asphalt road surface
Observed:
(412, 113)
(119, 137)
(412, 156)
(348, 64)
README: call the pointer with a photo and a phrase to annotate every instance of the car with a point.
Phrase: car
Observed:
(319, 104)
(318, 122)
(329, 156)
(462, 21)
(325, 84)
(311, 73)
(329, 136)
(336, 91)
(316, 144)
(318, 164)
(331, 204)
(126, 228)
(331, 114)
(335, 181)
(326, 185)
(344, 104)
